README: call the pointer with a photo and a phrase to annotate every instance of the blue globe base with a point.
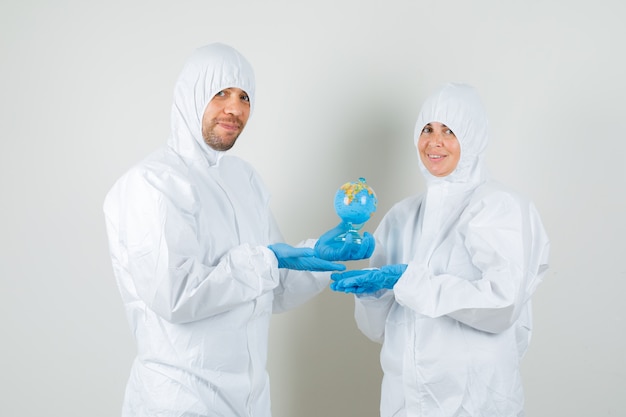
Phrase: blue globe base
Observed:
(356, 237)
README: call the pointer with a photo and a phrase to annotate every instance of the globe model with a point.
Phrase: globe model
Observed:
(355, 202)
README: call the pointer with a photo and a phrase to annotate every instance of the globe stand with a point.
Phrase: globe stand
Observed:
(353, 229)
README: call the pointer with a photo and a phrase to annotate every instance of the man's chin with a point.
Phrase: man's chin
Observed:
(221, 142)
(221, 146)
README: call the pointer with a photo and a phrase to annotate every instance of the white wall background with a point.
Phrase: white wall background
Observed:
(85, 91)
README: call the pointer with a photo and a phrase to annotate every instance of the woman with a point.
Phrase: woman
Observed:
(454, 270)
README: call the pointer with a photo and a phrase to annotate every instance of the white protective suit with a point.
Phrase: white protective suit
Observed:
(188, 230)
(458, 321)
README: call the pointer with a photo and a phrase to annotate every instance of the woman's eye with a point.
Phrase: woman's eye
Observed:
(245, 97)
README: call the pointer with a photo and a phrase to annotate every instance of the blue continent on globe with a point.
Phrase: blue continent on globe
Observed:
(355, 202)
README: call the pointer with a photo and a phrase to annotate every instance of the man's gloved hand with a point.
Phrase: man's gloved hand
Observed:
(365, 281)
(335, 250)
(302, 259)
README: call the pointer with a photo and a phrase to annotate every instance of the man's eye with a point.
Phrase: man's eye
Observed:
(245, 97)
(220, 94)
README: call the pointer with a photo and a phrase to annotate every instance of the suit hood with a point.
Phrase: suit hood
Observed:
(209, 70)
(459, 107)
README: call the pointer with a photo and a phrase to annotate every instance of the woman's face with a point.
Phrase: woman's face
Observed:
(438, 149)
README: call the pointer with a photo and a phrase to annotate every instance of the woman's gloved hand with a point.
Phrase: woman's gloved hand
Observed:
(365, 281)
(327, 247)
(302, 259)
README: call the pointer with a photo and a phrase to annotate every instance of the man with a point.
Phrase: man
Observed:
(196, 254)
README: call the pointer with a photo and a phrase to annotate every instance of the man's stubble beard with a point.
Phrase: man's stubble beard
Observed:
(217, 142)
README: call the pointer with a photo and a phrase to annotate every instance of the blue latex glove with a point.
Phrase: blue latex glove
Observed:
(365, 281)
(335, 250)
(302, 259)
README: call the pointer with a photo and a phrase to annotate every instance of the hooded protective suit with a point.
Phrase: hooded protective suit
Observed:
(188, 231)
(458, 321)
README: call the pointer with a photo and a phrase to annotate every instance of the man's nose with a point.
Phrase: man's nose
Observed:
(234, 106)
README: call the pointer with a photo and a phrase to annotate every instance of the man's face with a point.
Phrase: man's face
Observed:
(439, 149)
(224, 118)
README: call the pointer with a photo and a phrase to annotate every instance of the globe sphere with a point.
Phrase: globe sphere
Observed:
(355, 202)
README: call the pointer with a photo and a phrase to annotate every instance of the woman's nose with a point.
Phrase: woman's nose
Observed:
(436, 140)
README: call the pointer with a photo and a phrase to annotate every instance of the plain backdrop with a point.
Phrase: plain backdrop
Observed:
(85, 92)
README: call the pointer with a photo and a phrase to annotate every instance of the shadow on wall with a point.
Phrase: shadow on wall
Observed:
(340, 367)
